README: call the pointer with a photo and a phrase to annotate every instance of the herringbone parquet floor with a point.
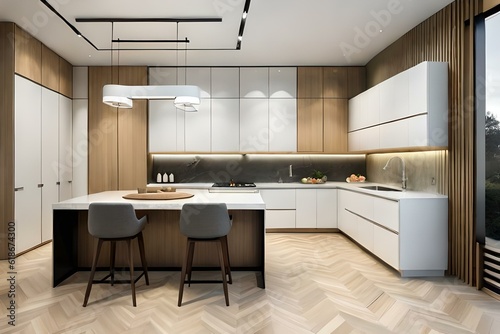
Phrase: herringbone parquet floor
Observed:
(316, 283)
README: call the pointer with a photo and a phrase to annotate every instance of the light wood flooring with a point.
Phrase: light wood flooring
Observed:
(316, 283)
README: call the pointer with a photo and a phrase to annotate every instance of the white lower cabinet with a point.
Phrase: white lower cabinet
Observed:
(300, 208)
(410, 235)
(280, 207)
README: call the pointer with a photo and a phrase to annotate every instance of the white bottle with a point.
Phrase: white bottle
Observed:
(158, 178)
(171, 178)
(165, 178)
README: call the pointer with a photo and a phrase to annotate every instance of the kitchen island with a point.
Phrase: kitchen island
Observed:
(165, 246)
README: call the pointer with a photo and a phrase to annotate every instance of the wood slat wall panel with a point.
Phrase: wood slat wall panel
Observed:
(7, 32)
(50, 69)
(28, 52)
(132, 134)
(444, 37)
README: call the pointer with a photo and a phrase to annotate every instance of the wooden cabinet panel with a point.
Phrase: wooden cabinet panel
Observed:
(132, 134)
(28, 52)
(310, 125)
(335, 125)
(50, 69)
(310, 82)
(356, 80)
(66, 78)
(335, 82)
(103, 134)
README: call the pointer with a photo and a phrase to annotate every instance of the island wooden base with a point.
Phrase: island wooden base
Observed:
(165, 246)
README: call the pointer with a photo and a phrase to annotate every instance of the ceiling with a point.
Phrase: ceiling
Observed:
(276, 32)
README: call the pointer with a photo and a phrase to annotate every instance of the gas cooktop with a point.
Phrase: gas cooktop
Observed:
(234, 184)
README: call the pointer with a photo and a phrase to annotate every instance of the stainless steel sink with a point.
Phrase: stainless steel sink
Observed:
(380, 188)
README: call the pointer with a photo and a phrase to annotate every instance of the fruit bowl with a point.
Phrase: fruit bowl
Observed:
(313, 180)
(355, 178)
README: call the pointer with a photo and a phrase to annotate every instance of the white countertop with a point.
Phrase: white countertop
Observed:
(234, 201)
(394, 195)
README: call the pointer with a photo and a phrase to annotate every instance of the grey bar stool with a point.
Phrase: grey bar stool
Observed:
(205, 223)
(116, 222)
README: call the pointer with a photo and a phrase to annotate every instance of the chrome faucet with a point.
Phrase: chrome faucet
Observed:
(403, 167)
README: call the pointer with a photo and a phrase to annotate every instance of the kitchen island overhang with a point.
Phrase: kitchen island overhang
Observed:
(73, 246)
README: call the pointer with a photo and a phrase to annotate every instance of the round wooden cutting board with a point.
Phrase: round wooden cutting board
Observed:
(158, 196)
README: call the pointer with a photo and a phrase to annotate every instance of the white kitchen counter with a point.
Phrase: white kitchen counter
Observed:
(234, 201)
(393, 195)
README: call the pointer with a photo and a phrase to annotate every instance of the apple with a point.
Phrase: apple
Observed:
(304, 180)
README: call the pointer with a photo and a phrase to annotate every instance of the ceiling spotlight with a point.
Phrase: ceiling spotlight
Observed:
(240, 38)
(244, 15)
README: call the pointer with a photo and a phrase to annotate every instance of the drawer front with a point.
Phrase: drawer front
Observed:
(386, 213)
(280, 219)
(386, 246)
(281, 199)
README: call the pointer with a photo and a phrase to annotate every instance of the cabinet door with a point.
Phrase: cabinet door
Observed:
(282, 82)
(282, 125)
(386, 246)
(364, 233)
(279, 199)
(386, 213)
(310, 125)
(254, 82)
(166, 127)
(65, 148)
(200, 76)
(225, 125)
(254, 125)
(27, 162)
(326, 208)
(197, 128)
(418, 89)
(418, 131)
(335, 125)
(364, 109)
(50, 159)
(80, 148)
(305, 202)
(280, 219)
(394, 98)
(394, 134)
(225, 82)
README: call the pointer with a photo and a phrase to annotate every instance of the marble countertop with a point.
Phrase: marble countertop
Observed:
(234, 201)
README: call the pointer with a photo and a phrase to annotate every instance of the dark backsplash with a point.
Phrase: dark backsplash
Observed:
(206, 168)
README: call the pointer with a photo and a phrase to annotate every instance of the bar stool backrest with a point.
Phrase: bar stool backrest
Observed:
(205, 221)
(114, 220)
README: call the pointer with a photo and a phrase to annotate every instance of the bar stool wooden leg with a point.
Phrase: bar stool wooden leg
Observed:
(131, 265)
(191, 244)
(226, 259)
(183, 274)
(112, 254)
(140, 240)
(223, 270)
(97, 251)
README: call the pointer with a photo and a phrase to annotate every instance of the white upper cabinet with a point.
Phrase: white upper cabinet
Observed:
(225, 125)
(254, 125)
(197, 128)
(225, 82)
(199, 76)
(364, 110)
(282, 125)
(166, 127)
(254, 82)
(250, 109)
(412, 110)
(282, 82)
(394, 98)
